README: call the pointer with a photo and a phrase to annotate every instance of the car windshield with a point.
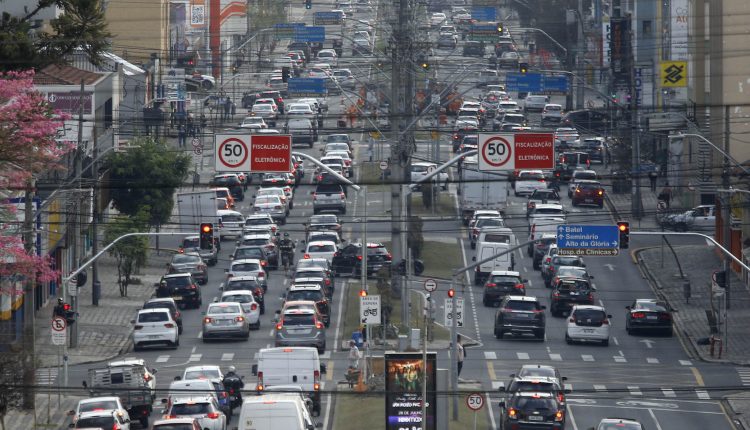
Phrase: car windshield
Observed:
(586, 175)
(101, 405)
(321, 248)
(149, 317)
(545, 194)
(299, 319)
(262, 108)
(571, 270)
(619, 426)
(504, 280)
(159, 304)
(490, 222)
(548, 211)
(652, 306)
(245, 267)
(593, 315)
(232, 218)
(589, 187)
(184, 426)
(533, 386)
(202, 374)
(258, 242)
(537, 371)
(324, 219)
(190, 409)
(237, 298)
(223, 308)
(567, 261)
(185, 259)
(193, 242)
(304, 295)
(267, 200)
(529, 404)
(325, 236)
(522, 305)
(244, 284)
(181, 281)
(249, 253)
(258, 221)
(96, 422)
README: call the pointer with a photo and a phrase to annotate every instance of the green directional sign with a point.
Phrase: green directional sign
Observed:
(484, 32)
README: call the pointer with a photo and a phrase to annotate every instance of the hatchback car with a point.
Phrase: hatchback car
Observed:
(501, 283)
(209, 371)
(225, 319)
(649, 315)
(552, 113)
(169, 303)
(474, 49)
(249, 305)
(251, 283)
(205, 409)
(189, 263)
(105, 403)
(155, 327)
(323, 222)
(541, 196)
(483, 224)
(618, 424)
(265, 240)
(528, 181)
(540, 249)
(320, 249)
(520, 315)
(261, 223)
(258, 252)
(588, 324)
(532, 410)
(568, 292)
(301, 327)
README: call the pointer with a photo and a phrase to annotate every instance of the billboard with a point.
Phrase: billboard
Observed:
(404, 379)
(620, 53)
(678, 29)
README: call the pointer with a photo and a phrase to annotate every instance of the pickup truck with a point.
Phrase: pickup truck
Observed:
(131, 381)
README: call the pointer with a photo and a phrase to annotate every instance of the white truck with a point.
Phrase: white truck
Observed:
(196, 207)
(480, 190)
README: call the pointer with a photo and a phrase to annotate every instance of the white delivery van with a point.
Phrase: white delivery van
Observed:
(540, 227)
(497, 235)
(297, 365)
(274, 412)
(503, 262)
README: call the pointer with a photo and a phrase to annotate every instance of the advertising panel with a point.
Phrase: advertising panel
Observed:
(404, 380)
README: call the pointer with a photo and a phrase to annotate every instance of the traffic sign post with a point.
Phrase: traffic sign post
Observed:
(383, 165)
(588, 240)
(430, 285)
(475, 402)
(369, 309)
(59, 331)
(306, 87)
(232, 153)
(271, 153)
(459, 312)
(511, 151)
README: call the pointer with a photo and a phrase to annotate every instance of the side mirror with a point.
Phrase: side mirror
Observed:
(593, 288)
(254, 370)
(178, 378)
(231, 256)
(609, 316)
(221, 287)
(132, 321)
(564, 378)
(591, 276)
(567, 391)
(627, 307)
(512, 375)
(226, 270)
(216, 300)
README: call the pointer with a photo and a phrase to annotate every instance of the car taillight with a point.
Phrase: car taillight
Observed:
(388, 256)
(177, 314)
(512, 414)
(638, 315)
(556, 295)
(490, 285)
(605, 321)
(560, 397)
(279, 326)
(254, 306)
(578, 190)
(193, 287)
(318, 325)
(239, 319)
(359, 257)
(601, 192)
(138, 327)
(208, 320)
(259, 386)
(169, 325)
(147, 377)
(212, 415)
(328, 282)
(519, 287)
(263, 263)
(531, 205)
(475, 231)
(572, 320)
(552, 269)
(316, 380)
(548, 259)
(306, 256)
(559, 416)
(230, 275)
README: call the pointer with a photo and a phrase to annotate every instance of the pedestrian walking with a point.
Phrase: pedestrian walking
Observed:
(190, 125)
(652, 176)
(461, 355)
(666, 194)
(181, 136)
(353, 355)
(227, 108)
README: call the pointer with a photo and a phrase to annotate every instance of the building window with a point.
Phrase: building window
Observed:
(647, 28)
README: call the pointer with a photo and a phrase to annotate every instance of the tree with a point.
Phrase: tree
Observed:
(147, 176)
(81, 26)
(130, 253)
(27, 148)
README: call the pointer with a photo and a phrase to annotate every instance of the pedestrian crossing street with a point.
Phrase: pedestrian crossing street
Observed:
(46, 376)
(744, 373)
(549, 356)
(586, 390)
(227, 356)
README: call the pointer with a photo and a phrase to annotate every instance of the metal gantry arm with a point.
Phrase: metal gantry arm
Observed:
(719, 150)
(326, 168)
(447, 164)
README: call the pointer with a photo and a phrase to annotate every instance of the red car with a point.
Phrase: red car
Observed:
(588, 194)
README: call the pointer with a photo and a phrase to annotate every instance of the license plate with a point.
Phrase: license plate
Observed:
(177, 298)
(588, 200)
(651, 317)
(536, 418)
(588, 330)
(153, 336)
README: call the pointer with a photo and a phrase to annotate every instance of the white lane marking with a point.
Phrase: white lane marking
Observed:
(530, 284)
(599, 387)
(652, 360)
(686, 363)
(270, 333)
(162, 359)
(326, 355)
(568, 387)
(489, 411)
(703, 394)
(490, 355)
(634, 390)
(744, 375)
(522, 355)
(496, 385)
(200, 336)
(615, 341)
(620, 359)
(572, 418)
(338, 317)
(195, 357)
(587, 357)
(653, 417)
(525, 270)
(471, 292)
(227, 356)
(668, 392)
(555, 357)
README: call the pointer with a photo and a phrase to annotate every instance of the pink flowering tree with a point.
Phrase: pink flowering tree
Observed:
(28, 128)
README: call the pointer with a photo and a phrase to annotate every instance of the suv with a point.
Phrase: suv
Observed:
(327, 197)
(314, 292)
(204, 408)
(556, 262)
(181, 287)
(349, 259)
(520, 315)
(542, 196)
(154, 326)
(301, 327)
(568, 292)
(502, 283)
(473, 49)
(537, 410)
(109, 419)
(260, 223)
(243, 283)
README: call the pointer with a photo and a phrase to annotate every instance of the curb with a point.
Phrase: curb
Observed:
(738, 418)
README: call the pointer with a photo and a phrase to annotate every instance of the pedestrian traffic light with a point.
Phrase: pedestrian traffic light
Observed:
(206, 235)
(362, 293)
(523, 68)
(308, 4)
(285, 74)
(500, 27)
(451, 293)
(720, 277)
(624, 228)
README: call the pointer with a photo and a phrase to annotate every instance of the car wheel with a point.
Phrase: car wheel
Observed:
(291, 206)
(315, 211)
(486, 302)
(179, 330)
(539, 335)
(498, 334)
(568, 340)
(605, 342)
(536, 265)
(473, 245)
(669, 332)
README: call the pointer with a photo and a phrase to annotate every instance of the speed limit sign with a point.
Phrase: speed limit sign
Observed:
(232, 153)
(496, 153)
(475, 401)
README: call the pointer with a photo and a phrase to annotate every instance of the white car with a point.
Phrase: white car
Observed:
(528, 181)
(321, 249)
(248, 267)
(155, 327)
(253, 122)
(106, 403)
(259, 223)
(103, 418)
(588, 323)
(203, 408)
(284, 193)
(546, 210)
(535, 102)
(271, 205)
(329, 56)
(420, 169)
(249, 305)
(299, 109)
(437, 19)
(337, 146)
(552, 113)
(346, 156)
(208, 371)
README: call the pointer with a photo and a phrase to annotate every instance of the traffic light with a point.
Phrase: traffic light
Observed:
(500, 28)
(451, 293)
(523, 68)
(720, 277)
(362, 293)
(624, 228)
(206, 235)
(424, 65)
(308, 4)
(285, 74)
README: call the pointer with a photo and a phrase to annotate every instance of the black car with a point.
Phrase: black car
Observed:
(169, 304)
(231, 181)
(537, 384)
(587, 120)
(349, 259)
(540, 250)
(649, 315)
(500, 284)
(474, 49)
(568, 292)
(251, 251)
(182, 288)
(568, 162)
(520, 315)
(532, 410)
(192, 244)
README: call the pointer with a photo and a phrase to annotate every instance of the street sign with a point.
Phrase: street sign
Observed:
(430, 285)
(383, 165)
(589, 240)
(511, 151)
(523, 82)
(306, 87)
(286, 30)
(232, 153)
(310, 34)
(369, 309)
(449, 312)
(59, 332)
(327, 18)
(270, 153)
(484, 14)
(475, 401)
(555, 84)
(484, 32)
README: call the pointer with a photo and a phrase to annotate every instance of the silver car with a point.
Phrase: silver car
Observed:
(249, 305)
(271, 205)
(302, 326)
(225, 319)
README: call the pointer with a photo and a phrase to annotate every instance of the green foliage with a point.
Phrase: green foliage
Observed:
(81, 26)
(147, 176)
(130, 253)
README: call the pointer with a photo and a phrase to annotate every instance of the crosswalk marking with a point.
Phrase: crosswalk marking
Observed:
(195, 357)
(652, 360)
(490, 355)
(702, 394)
(619, 359)
(686, 363)
(522, 355)
(744, 375)
(668, 392)
(599, 387)
(634, 390)
(587, 357)
(555, 357)
(162, 359)
(46, 376)
(227, 356)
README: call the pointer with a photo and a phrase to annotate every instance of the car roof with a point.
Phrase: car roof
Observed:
(242, 278)
(181, 420)
(192, 399)
(99, 399)
(299, 287)
(523, 298)
(588, 307)
(504, 273)
(548, 206)
(321, 242)
(176, 275)
(153, 310)
(237, 293)
(97, 413)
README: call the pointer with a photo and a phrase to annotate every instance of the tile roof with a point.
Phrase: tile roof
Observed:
(65, 75)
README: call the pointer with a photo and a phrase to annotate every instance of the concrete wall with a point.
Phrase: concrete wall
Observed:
(138, 29)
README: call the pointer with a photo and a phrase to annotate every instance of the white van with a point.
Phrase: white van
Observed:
(274, 411)
(503, 262)
(297, 365)
(497, 235)
(230, 223)
(540, 227)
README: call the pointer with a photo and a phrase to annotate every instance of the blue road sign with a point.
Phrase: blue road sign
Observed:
(286, 30)
(310, 34)
(306, 87)
(484, 13)
(555, 84)
(588, 239)
(327, 18)
(529, 82)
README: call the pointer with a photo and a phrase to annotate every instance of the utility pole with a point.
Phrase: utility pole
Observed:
(28, 356)
(95, 285)
(76, 215)
(635, 136)
(580, 58)
(727, 206)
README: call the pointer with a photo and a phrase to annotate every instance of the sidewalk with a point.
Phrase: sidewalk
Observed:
(620, 204)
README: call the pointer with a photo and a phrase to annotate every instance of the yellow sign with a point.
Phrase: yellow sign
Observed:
(673, 74)
(435, 134)
(375, 135)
